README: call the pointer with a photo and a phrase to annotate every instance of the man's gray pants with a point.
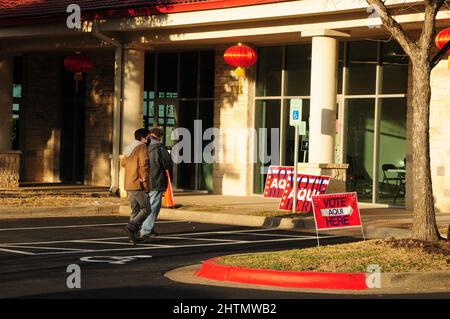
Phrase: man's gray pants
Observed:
(140, 207)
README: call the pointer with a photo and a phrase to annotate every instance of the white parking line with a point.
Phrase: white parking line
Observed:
(202, 239)
(114, 238)
(61, 241)
(147, 246)
(80, 226)
(17, 251)
(40, 247)
(118, 243)
(280, 235)
(224, 232)
(186, 246)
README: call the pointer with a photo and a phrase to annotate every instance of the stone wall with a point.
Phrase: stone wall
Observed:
(40, 118)
(9, 169)
(232, 112)
(440, 136)
(99, 120)
(439, 139)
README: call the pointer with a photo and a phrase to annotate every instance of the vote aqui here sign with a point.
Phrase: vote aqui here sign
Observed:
(335, 211)
(307, 187)
(276, 181)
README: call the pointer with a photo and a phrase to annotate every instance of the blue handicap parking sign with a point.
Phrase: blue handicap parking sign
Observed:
(295, 115)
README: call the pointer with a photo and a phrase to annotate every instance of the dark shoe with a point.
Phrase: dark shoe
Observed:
(152, 235)
(131, 233)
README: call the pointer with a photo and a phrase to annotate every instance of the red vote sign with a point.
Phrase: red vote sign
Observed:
(276, 181)
(307, 187)
(334, 211)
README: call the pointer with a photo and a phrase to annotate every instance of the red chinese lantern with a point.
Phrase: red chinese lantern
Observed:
(240, 57)
(441, 40)
(78, 64)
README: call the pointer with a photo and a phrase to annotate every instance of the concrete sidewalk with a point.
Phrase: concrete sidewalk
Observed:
(255, 211)
(379, 221)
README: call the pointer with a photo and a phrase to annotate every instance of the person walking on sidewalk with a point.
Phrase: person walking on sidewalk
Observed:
(136, 164)
(160, 161)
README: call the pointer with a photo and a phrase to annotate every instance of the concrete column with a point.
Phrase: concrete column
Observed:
(133, 94)
(6, 101)
(117, 120)
(323, 99)
(133, 99)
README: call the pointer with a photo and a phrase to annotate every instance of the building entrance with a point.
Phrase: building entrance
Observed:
(179, 93)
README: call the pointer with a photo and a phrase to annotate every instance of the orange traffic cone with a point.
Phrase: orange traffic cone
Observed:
(168, 200)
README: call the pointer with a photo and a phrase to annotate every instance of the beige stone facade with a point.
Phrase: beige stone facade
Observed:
(99, 119)
(41, 119)
(440, 136)
(40, 116)
(9, 169)
(233, 113)
(439, 139)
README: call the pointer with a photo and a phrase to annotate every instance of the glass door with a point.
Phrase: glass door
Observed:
(166, 117)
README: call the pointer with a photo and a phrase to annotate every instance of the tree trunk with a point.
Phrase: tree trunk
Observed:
(424, 220)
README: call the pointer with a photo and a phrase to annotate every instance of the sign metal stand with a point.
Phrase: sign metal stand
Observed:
(295, 119)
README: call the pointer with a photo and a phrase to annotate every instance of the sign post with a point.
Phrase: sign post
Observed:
(295, 119)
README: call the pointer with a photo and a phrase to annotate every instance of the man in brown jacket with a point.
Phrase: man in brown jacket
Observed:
(136, 164)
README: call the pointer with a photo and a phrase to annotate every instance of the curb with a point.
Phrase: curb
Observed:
(228, 219)
(370, 231)
(389, 282)
(74, 211)
(210, 269)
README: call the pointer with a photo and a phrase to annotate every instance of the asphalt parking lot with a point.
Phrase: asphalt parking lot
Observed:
(35, 255)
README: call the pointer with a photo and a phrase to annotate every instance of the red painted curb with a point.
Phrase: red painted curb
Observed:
(292, 279)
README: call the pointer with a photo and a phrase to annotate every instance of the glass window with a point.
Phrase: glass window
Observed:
(362, 67)
(189, 73)
(206, 114)
(167, 75)
(267, 117)
(17, 97)
(290, 136)
(360, 136)
(392, 149)
(268, 81)
(395, 69)
(187, 170)
(149, 76)
(17, 90)
(207, 74)
(298, 70)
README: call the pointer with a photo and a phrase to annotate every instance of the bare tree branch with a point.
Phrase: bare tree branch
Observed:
(429, 25)
(394, 27)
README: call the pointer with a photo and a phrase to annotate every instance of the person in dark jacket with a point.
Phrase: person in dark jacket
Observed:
(159, 162)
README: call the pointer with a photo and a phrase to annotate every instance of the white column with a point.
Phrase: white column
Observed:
(323, 99)
(6, 101)
(133, 100)
(117, 120)
(133, 94)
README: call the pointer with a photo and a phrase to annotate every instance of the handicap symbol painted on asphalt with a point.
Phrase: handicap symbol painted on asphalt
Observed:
(115, 260)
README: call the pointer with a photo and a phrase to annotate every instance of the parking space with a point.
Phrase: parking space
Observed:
(102, 238)
(35, 255)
